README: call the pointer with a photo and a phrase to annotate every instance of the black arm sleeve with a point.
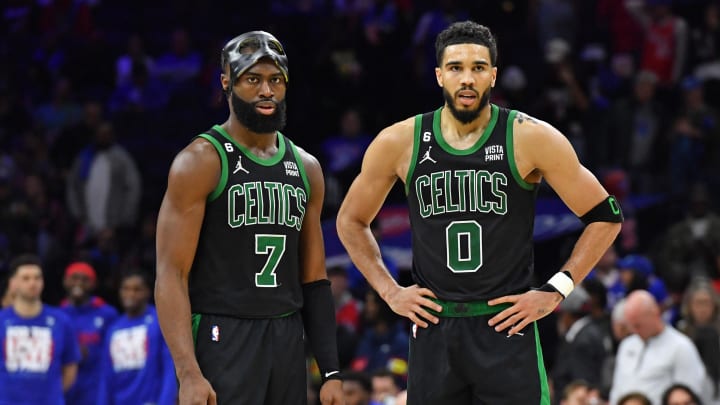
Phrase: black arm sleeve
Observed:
(318, 313)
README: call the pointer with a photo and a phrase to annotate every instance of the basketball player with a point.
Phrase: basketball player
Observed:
(471, 172)
(240, 253)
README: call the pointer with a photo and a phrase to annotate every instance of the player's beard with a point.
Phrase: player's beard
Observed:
(466, 116)
(256, 122)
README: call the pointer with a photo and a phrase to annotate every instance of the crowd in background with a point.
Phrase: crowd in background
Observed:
(97, 96)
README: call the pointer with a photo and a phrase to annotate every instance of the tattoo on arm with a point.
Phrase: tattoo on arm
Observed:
(522, 117)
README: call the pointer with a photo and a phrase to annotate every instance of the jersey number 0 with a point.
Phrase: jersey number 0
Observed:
(463, 244)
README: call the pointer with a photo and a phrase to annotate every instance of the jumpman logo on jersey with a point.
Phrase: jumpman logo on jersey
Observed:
(426, 156)
(239, 167)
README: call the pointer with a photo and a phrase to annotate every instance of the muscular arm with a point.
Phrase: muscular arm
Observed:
(554, 159)
(386, 160)
(362, 203)
(312, 249)
(543, 152)
(193, 175)
(318, 310)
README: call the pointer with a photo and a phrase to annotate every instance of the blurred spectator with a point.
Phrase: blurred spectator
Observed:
(141, 252)
(40, 353)
(563, 101)
(356, 388)
(680, 394)
(385, 387)
(634, 398)
(135, 54)
(619, 330)
(634, 127)
(638, 272)
(691, 247)
(574, 393)
(694, 130)
(61, 112)
(384, 344)
(666, 40)
(513, 90)
(584, 343)
(701, 323)
(75, 137)
(142, 93)
(607, 273)
(655, 356)
(401, 398)
(136, 367)
(347, 314)
(180, 65)
(617, 183)
(429, 25)
(344, 151)
(705, 44)
(90, 317)
(626, 34)
(555, 19)
(103, 190)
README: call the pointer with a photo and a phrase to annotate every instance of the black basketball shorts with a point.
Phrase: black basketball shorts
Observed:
(463, 361)
(252, 361)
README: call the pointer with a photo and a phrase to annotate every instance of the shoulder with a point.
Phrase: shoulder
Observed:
(57, 313)
(529, 129)
(308, 160)
(198, 164)
(398, 133)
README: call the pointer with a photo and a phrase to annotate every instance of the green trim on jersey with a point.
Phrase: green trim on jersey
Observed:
(511, 153)
(416, 147)
(301, 168)
(195, 318)
(223, 167)
(480, 142)
(261, 161)
(544, 390)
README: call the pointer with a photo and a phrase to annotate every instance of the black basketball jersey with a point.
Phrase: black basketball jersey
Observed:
(470, 211)
(247, 260)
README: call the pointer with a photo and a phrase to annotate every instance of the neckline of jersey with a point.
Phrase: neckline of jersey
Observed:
(480, 142)
(257, 159)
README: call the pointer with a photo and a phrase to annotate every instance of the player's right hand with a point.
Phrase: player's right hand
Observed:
(411, 302)
(196, 390)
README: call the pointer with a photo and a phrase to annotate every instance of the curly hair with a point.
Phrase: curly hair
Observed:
(466, 32)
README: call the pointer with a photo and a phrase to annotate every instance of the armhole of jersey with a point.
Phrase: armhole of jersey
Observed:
(416, 146)
(223, 166)
(511, 153)
(301, 167)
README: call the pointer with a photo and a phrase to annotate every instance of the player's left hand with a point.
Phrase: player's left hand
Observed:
(331, 393)
(526, 308)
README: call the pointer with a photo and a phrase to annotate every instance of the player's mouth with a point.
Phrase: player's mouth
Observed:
(266, 107)
(467, 97)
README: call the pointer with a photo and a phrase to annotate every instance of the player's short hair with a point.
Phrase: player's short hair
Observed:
(144, 276)
(23, 260)
(466, 32)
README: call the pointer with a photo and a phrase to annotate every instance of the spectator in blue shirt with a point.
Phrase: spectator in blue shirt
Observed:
(90, 317)
(136, 363)
(40, 353)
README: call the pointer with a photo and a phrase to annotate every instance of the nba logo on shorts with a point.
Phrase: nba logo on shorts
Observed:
(215, 333)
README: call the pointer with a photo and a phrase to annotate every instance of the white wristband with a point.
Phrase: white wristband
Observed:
(561, 282)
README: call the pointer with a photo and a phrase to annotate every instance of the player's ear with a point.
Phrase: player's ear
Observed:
(438, 76)
(224, 82)
(494, 76)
